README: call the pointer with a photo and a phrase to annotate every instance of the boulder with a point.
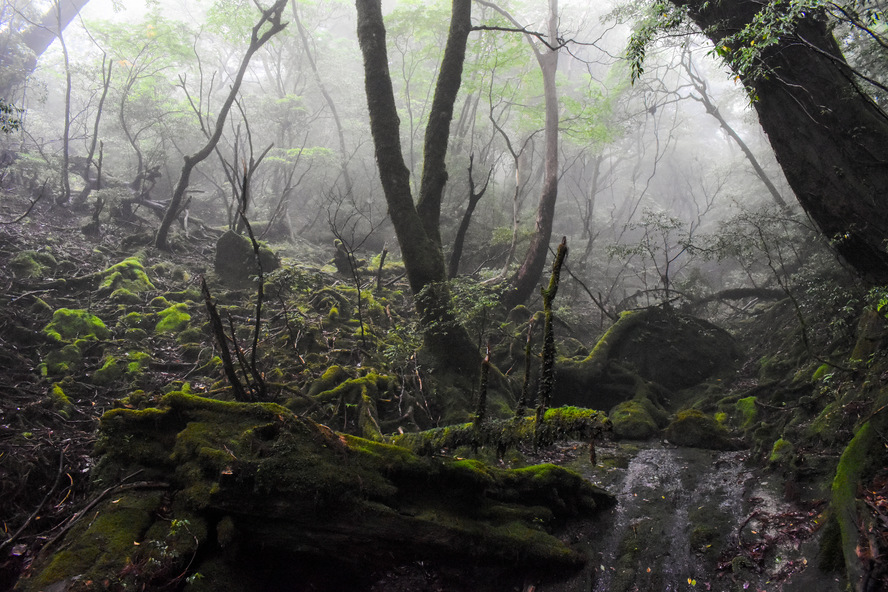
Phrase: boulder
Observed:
(236, 261)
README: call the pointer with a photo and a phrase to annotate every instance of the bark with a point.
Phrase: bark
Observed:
(416, 226)
(66, 133)
(434, 170)
(40, 35)
(829, 137)
(525, 280)
(88, 184)
(272, 17)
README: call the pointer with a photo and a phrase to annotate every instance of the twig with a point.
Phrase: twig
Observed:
(122, 486)
(31, 207)
(39, 507)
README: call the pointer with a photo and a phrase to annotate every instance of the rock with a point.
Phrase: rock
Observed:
(657, 347)
(272, 484)
(236, 262)
(696, 429)
(634, 420)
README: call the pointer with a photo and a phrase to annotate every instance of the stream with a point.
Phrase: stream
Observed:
(690, 519)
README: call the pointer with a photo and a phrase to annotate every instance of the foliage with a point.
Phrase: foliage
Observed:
(9, 121)
(658, 18)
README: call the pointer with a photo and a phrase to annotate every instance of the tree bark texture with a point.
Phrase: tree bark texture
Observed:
(829, 137)
(416, 226)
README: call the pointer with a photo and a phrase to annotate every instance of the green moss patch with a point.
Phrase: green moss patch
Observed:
(699, 430)
(287, 481)
(126, 277)
(173, 319)
(633, 420)
(69, 324)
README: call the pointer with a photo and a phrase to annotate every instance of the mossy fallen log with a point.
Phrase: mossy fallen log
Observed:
(250, 479)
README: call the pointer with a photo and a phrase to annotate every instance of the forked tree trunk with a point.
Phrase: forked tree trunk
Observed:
(417, 226)
(830, 138)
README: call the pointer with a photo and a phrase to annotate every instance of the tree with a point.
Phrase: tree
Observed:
(34, 39)
(271, 16)
(525, 279)
(829, 136)
(417, 225)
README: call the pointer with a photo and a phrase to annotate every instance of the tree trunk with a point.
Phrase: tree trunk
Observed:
(829, 137)
(65, 196)
(41, 34)
(343, 155)
(700, 86)
(525, 281)
(460, 239)
(271, 16)
(416, 226)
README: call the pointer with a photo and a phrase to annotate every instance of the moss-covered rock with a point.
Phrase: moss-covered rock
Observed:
(633, 420)
(70, 324)
(173, 319)
(59, 400)
(235, 260)
(660, 346)
(126, 277)
(287, 484)
(32, 264)
(694, 428)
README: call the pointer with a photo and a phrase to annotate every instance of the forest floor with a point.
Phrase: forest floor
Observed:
(49, 417)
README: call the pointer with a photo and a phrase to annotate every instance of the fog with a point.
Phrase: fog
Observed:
(636, 159)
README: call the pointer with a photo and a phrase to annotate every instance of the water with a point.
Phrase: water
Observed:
(681, 512)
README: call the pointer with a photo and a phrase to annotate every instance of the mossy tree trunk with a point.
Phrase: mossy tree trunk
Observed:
(830, 138)
(547, 372)
(417, 226)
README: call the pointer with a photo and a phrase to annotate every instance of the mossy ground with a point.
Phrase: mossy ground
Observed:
(782, 395)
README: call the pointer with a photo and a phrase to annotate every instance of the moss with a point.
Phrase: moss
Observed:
(855, 462)
(32, 264)
(159, 302)
(69, 324)
(125, 296)
(748, 412)
(190, 335)
(696, 429)
(104, 543)
(240, 460)
(137, 361)
(61, 361)
(186, 295)
(110, 371)
(134, 320)
(331, 377)
(870, 332)
(173, 319)
(60, 401)
(333, 315)
(821, 372)
(781, 452)
(631, 419)
(128, 275)
(559, 423)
